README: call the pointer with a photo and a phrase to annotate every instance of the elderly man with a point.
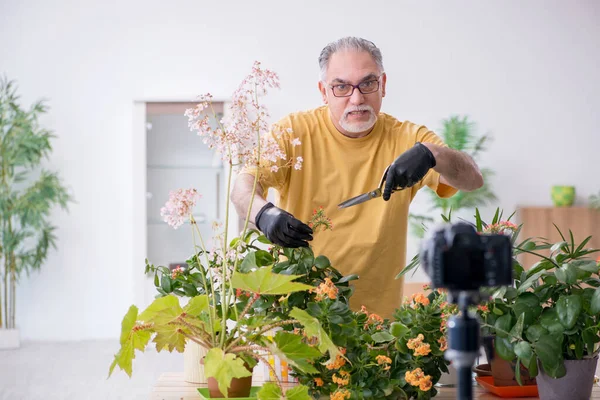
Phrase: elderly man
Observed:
(346, 146)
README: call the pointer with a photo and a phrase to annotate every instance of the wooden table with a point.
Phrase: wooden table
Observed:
(171, 386)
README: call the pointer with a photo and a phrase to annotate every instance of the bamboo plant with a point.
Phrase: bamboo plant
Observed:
(28, 193)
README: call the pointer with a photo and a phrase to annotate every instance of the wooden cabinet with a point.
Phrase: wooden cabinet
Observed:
(539, 222)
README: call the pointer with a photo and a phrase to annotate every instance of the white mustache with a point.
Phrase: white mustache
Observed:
(359, 108)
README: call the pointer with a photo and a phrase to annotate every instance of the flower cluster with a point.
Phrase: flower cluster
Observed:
(418, 378)
(319, 219)
(243, 138)
(399, 358)
(420, 348)
(179, 207)
(502, 227)
(326, 289)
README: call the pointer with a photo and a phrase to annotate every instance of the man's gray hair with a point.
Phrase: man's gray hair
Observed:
(349, 43)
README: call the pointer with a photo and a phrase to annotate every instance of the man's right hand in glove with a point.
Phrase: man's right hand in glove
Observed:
(281, 228)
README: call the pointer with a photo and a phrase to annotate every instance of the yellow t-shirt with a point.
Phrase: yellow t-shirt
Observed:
(368, 239)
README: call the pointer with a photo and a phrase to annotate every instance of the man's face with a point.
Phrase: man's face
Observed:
(353, 115)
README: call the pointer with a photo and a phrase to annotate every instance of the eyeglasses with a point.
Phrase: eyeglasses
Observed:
(347, 90)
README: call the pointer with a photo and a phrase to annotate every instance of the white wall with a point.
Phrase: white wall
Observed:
(525, 71)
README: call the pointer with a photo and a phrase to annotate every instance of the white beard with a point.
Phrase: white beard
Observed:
(362, 126)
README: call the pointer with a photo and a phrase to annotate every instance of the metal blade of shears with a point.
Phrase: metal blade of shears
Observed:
(361, 198)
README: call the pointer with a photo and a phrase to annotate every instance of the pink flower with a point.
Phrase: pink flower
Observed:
(243, 138)
(179, 206)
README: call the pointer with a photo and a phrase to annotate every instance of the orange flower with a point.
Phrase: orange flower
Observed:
(416, 342)
(418, 378)
(425, 383)
(340, 394)
(339, 361)
(443, 343)
(419, 298)
(381, 359)
(423, 350)
(343, 379)
(326, 289)
(318, 381)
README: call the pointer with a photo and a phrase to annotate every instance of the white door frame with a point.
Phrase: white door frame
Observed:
(138, 232)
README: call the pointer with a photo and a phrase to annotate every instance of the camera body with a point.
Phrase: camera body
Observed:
(458, 258)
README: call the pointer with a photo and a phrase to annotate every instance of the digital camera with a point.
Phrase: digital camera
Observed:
(457, 258)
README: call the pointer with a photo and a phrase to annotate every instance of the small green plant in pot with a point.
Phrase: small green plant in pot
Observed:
(228, 289)
(556, 317)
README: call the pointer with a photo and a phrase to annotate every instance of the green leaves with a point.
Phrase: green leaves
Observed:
(132, 338)
(549, 351)
(161, 310)
(263, 281)
(291, 348)
(549, 320)
(595, 302)
(312, 328)
(270, 391)
(224, 367)
(529, 305)
(566, 273)
(256, 259)
(197, 305)
(568, 309)
(398, 329)
(381, 337)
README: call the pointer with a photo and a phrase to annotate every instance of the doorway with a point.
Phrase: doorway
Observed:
(176, 158)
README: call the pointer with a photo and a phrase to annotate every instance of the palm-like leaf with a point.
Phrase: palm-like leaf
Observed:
(25, 230)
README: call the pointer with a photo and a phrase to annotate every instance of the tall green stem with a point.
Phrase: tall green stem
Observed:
(210, 313)
(13, 291)
(225, 288)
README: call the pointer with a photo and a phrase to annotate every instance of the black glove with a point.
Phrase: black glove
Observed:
(408, 169)
(281, 228)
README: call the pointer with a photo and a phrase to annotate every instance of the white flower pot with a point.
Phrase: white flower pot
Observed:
(9, 339)
(193, 369)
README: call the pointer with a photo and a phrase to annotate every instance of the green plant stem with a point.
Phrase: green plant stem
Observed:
(198, 333)
(244, 311)
(267, 328)
(210, 313)
(227, 290)
(13, 289)
(260, 358)
(195, 339)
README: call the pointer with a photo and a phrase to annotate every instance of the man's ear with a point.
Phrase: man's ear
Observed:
(383, 81)
(323, 91)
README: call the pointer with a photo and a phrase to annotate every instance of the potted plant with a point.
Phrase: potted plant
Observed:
(228, 282)
(555, 327)
(28, 194)
(397, 359)
(496, 301)
(187, 282)
(458, 132)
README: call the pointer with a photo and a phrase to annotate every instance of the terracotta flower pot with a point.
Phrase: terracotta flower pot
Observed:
(575, 385)
(239, 387)
(503, 371)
